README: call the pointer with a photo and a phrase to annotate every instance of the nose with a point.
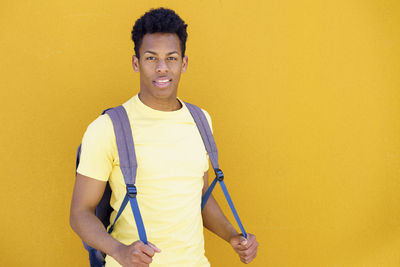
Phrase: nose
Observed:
(161, 67)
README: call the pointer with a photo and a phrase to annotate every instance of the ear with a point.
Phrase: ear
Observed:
(185, 62)
(135, 63)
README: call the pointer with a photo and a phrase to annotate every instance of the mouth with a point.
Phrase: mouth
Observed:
(162, 82)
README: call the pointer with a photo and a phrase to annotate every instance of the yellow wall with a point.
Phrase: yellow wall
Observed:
(305, 102)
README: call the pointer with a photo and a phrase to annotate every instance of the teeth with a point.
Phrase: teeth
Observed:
(163, 81)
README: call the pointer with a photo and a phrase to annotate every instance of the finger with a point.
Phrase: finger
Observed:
(251, 238)
(146, 259)
(156, 249)
(244, 253)
(244, 247)
(252, 244)
(250, 255)
(238, 247)
(249, 251)
(242, 259)
(249, 258)
(238, 243)
(147, 250)
(251, 241)
(246, 260)
(243, 241)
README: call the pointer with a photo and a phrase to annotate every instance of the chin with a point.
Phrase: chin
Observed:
(164, 92)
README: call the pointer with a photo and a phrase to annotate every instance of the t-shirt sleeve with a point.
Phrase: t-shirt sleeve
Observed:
(208, 117)
(98, 149)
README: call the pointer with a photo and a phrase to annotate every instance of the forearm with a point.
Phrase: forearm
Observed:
(215, 220)
(93, 233)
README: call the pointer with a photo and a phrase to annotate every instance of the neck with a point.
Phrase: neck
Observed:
(161, 104)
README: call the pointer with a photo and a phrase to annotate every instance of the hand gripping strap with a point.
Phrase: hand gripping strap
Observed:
(211, 147)
(128, 165)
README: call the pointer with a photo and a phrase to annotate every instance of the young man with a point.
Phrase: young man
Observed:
(172, 164)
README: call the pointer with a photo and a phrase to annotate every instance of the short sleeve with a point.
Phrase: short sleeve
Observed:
(208, 117)
(98, 149)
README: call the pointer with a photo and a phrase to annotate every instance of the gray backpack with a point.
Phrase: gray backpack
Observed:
(128, 165)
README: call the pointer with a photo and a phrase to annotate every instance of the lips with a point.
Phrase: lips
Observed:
(162, 82)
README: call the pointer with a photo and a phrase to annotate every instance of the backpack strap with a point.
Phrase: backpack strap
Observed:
(128, 165)
(211, 148)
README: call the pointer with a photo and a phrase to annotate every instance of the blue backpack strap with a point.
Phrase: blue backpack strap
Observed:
(128, 165)
(211, 148)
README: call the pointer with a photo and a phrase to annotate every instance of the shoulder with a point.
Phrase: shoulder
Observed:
(208, 117)
(100, 125)
(206, 114)
(100, 131)
(98, 149)
(130, 104)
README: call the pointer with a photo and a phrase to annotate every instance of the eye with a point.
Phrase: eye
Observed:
(172, 58)
(150, 58)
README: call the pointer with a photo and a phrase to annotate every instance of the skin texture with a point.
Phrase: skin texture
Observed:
(160, 58)
(86, 196)
(160, 61)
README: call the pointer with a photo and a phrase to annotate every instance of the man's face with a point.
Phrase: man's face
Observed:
(160, 65)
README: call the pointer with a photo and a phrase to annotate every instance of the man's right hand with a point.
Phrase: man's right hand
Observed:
(136, 254)
(87, 194)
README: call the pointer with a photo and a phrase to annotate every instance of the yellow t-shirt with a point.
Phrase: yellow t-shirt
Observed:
(171, 161)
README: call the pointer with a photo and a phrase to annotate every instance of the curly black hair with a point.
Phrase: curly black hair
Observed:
(159, 20)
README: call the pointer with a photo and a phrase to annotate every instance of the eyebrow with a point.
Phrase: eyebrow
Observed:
(154, 53)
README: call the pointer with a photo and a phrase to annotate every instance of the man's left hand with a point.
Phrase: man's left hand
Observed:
(246, 248)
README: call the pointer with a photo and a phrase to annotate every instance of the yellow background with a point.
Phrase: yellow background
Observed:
(305, 102)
